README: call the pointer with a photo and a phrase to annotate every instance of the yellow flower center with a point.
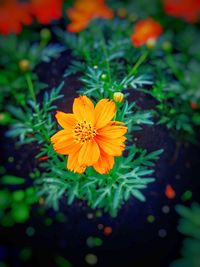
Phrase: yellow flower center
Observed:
(84, 132)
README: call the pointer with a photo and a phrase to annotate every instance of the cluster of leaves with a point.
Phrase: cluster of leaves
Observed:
(128, 177)
(30, 124)
(189, 225)
(14, 65)
(34, 123)
(177, 90)
(30, 121)
(177, 114)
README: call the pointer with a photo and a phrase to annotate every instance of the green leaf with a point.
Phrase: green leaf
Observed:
(20, 212)
(62, 262)
(117, 196)
(12, 180)
(136, 193)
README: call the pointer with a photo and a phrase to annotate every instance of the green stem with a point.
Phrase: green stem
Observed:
(30, 87)
(42, 44)
(174, 68)
(141, 59)
(106, 55)
(32, 93)
(117, 108)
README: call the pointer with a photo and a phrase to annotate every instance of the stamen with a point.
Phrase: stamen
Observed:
(84, 132)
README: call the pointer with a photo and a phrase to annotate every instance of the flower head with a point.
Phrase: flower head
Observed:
(84, 11)
(189, 10)
(46, 11)
(13, 15)
(145, 31)
(89, 136)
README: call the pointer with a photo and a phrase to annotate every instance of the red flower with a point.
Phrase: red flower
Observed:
(46, 11)
(189, 10)
(13, 15)
(146, 30)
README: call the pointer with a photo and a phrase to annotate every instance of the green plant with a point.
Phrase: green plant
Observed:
(128, 177)
(15, 65)
(189, 225)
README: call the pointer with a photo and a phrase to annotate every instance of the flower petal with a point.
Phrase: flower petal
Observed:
(83, 109)
(62, 134)
(72, 163)
(104, 112)
(66, 120)
(89, 154)
(112, 131)
(104, 164)
(113, 147)
(66, 145)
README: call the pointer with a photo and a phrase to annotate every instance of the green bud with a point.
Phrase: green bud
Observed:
(45, 34)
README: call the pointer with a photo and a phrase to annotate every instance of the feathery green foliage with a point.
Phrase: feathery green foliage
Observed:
(189, 225)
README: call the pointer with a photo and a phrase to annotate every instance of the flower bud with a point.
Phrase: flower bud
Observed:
(45, 34)
(121, 12)
(24, 65)
(133, 17)
(104, 77)
(5, 118)
(167, 46)
(151, 43)
(118, 97)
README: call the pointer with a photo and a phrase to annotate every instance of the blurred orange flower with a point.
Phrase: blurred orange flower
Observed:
(46, 11)
(145, 31)
(170, 192)
(84, 11)
(189, 10)
(13, 15)
(89, 136)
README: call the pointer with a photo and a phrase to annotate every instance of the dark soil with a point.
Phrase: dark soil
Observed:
(134, 242)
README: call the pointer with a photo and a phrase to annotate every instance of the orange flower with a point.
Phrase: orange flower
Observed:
(189, 10)
(46, 11)
(89, 136)
(145, 31)
(84, 11)
(13, 15)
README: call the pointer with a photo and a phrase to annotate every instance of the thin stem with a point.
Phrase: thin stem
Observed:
(106, 55)
(30, 87)
(32, 93)
(175, 70)
(173, 66)
(176, 153)
(117, 108)
(141, 59)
